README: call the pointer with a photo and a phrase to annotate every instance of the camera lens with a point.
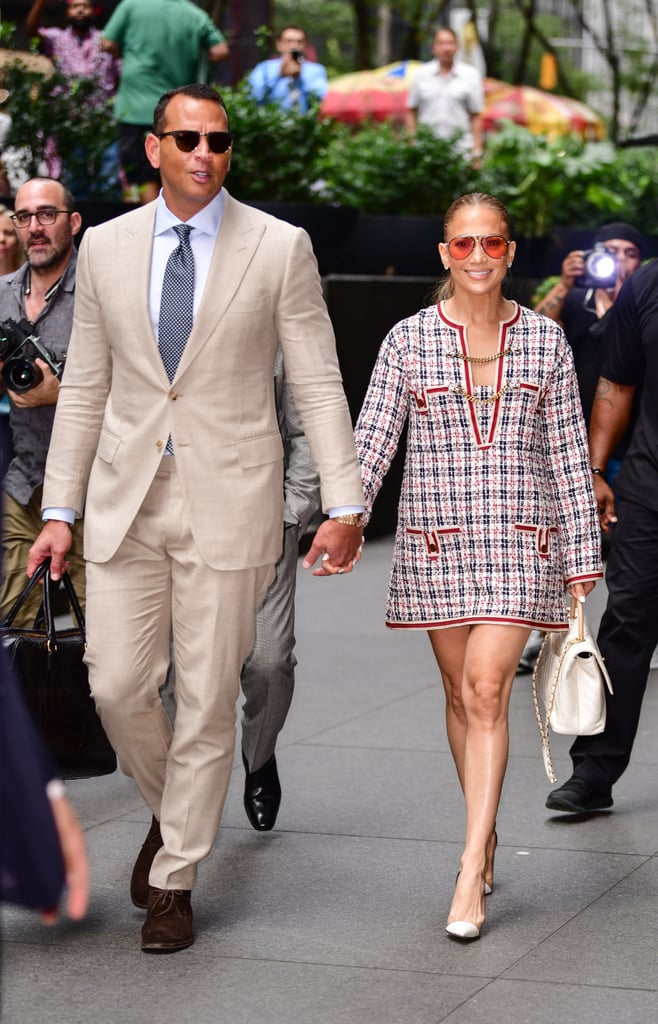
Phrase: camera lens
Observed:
(602, 266)
(21, 375)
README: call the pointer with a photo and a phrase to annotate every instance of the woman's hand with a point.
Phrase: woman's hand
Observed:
(76, 864)
(581, 590)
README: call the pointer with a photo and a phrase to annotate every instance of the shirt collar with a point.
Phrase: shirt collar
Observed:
(437, 68)
(207, 220)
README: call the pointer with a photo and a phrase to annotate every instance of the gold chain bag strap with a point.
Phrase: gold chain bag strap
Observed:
(568, 684)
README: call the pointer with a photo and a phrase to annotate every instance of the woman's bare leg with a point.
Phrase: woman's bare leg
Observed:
(452, 644)
(480, 741)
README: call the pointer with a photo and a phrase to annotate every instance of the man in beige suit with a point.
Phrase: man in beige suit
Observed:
(186, 542)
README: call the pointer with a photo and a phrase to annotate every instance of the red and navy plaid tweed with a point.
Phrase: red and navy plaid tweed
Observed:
(497, 510)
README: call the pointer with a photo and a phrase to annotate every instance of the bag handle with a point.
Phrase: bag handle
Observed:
(576, 610)
(24, 594)
(51, 628)
(43, 573)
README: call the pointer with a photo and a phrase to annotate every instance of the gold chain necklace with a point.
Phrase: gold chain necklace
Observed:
(475, 399)
(483, 359)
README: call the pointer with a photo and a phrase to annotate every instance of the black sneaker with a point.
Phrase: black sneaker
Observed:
(578, 796)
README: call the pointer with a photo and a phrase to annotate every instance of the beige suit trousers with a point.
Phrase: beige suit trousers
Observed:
(157, 584)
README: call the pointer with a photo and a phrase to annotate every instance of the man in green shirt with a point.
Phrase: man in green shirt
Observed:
(160, 43)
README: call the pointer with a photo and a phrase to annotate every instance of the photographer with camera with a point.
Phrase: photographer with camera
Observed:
(581, 300)
(36, 316)
(289, 79)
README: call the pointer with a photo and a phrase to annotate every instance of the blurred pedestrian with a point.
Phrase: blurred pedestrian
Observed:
(76, 52)
(447, 95)
(11, 251)
(290, 80)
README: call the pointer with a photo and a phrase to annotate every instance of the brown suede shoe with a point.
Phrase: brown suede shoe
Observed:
(139, 883)
(168, 924)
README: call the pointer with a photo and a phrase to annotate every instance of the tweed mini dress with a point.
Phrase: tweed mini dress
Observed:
(497, 511)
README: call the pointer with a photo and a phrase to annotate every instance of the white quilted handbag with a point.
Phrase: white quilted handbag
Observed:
(568, 684)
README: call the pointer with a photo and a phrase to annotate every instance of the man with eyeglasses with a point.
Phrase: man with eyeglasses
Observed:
(161, 43)
(42, 293)
(167, 435)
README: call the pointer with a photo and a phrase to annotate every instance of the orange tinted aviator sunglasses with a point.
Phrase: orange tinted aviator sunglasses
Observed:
(462, 246)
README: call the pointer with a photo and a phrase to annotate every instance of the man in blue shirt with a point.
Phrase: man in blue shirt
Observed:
(290, 79)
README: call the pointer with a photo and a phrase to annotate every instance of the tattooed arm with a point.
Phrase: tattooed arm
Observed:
(552, 303)
(611, 414)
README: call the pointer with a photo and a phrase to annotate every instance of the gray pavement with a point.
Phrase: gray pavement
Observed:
(338, 915)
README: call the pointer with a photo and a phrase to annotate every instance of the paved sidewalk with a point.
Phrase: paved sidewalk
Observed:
(338, 915)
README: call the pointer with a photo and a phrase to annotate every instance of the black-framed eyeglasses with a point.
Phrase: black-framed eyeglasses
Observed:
(462, 246)
(187, 141)
(23, 218)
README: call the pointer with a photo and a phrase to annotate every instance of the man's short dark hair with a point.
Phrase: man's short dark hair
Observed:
(196, 91)
(292, 28)
(445, 28)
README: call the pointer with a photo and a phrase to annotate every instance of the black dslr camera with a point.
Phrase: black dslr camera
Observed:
(600, 269)
(19, 347)
(297, 55)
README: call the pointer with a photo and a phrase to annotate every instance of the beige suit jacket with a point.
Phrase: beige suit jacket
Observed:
(116, 406)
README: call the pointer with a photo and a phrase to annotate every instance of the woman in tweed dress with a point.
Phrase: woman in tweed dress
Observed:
(497, 514)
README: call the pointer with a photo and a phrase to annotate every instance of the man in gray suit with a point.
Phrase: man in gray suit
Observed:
(268, 675)
(186, 543)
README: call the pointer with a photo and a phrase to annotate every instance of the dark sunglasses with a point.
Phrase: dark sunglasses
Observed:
(463, 245)
(187, 142)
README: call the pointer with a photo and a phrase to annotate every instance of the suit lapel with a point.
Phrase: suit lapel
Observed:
(133, 257)
(237, 241)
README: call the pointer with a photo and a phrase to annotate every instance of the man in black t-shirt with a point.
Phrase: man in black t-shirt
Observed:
(583, 312)
(629, 628)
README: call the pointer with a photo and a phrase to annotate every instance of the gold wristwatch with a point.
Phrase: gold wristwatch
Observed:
(350, 519)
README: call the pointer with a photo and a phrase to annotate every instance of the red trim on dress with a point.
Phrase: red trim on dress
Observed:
(481, 620)
(480, 441)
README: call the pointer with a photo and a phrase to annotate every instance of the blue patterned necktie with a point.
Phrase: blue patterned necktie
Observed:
(176, 305)
(177, 302)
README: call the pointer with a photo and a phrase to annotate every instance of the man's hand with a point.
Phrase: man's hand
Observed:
(290, 67)
(45, 393)
(53, 542)
(573, 266)
(341, 543)
(605, 502)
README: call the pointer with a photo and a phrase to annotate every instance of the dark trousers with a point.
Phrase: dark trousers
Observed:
(627, 637)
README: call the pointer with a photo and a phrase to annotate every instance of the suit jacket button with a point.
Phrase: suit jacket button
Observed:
(173, 396)
(159, 444)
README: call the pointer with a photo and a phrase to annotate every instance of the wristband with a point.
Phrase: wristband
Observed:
(597, 471)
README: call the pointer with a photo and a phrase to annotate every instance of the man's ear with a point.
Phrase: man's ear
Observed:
(75, 221)
(152, 147)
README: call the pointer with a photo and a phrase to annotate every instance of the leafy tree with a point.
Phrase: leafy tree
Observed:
(54, 114)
